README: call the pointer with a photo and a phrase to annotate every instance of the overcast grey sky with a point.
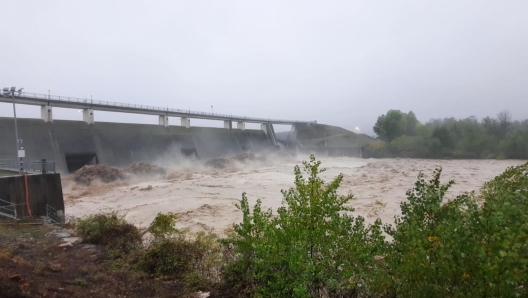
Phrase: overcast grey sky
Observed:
(342, 63)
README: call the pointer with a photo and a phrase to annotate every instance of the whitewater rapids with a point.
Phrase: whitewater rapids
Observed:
(205, 198)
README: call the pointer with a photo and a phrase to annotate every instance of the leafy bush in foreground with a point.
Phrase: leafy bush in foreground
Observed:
(432, 248)
(173, 253)
(180, 254)
(312, 248)
(502, 231)
(163, 226)
(475, 245)
(472, 246)
(111, 230)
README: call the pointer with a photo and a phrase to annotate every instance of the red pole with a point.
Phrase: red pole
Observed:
(27, 196)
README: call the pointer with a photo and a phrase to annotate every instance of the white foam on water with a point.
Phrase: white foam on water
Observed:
(205, 198)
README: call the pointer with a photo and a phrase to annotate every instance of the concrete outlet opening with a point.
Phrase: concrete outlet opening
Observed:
(189, 152)
(75, 161)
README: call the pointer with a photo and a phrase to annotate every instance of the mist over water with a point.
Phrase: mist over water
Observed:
(205, 197)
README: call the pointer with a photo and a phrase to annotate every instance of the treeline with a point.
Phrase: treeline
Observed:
(402, 135)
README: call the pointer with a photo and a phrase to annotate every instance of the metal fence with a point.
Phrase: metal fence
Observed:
(28, 166)
(100, 103)
(8, 209)
(54, 215)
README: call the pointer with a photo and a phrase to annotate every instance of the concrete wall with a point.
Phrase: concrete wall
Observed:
(42, 189)
(73, 143)
(259, 140)
(120, 144)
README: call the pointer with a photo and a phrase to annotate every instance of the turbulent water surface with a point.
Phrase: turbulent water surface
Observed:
(205, 198)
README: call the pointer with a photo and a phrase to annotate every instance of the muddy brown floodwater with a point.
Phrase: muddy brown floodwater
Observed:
(205, 198)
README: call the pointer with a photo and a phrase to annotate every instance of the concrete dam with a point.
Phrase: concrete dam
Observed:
(73, 144)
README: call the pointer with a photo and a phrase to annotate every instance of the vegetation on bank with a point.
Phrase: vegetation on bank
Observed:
(474, 245)
(402, 135)
(167, 253)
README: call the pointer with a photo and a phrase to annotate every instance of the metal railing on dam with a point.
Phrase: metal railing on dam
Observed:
(28, 166)
(80, 103)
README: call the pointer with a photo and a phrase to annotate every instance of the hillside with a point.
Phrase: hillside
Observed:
(316, 135)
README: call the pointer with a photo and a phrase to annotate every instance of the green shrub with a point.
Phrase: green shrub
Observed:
(471, 246)
(163, 225)
(501, 229)
(312, 248)
(181, 254)
(167, 257)
(376, 149)
(475, 245)
(111, 230)
(431, 249)
(409, 146)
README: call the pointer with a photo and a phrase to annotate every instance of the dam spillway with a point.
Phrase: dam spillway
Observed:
(73, 144)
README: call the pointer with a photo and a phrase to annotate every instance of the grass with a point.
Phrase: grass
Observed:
(33, 265)
(4, 173)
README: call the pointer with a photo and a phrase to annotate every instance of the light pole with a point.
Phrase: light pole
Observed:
(16, 136)
(212, 110)
(49, 94)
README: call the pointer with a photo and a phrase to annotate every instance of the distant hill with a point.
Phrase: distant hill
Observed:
(315, 135)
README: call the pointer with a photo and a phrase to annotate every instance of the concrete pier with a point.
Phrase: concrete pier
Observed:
(186, 122)
(264, 127)
(292, 138)
(88, 116)
(241, 125)
(46, 113)
(228, 124)
(164, 120)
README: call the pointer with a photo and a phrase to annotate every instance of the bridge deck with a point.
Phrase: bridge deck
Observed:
(79, 103)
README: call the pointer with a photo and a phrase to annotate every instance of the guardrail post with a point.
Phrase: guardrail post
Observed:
(44, 166)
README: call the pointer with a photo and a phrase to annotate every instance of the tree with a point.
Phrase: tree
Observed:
(504, 119)
(395, 124)
(411, 124)
(312, 248)
(443, 135)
